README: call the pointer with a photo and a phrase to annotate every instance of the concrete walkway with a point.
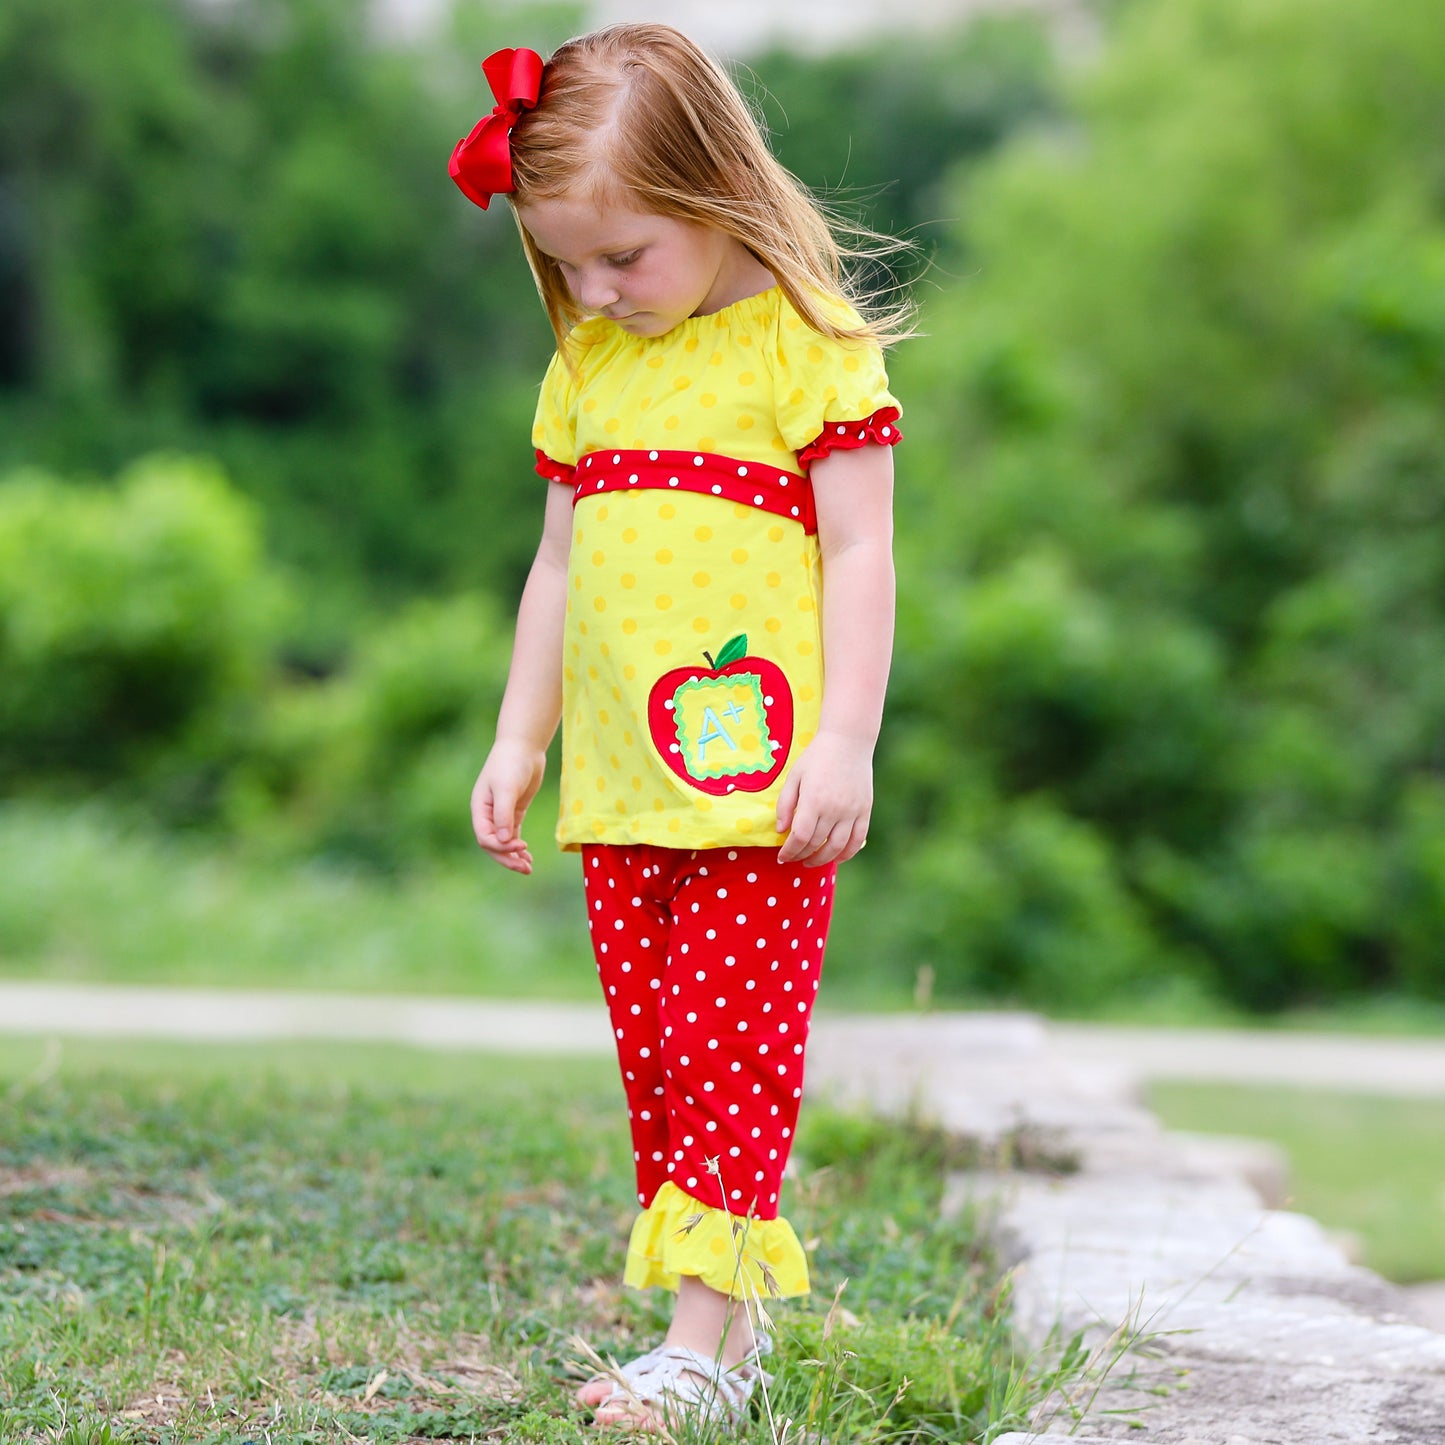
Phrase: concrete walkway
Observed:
(1111, 1061)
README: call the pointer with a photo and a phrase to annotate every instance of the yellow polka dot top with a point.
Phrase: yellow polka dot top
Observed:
(692, 663)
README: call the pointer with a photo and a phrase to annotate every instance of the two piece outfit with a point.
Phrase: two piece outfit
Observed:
(692, 677)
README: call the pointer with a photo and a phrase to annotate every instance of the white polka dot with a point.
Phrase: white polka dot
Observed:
(722, 893)
(732, 1108)
(707, 1088)
(647, 1114)
(619, 1033)
(730, 960)
(742, 1026)
(712, 1126)
(762, 1048)
(734, 1152)
(697, 461)
(684, 1061)
(645, 942)
(712, 1043)
(732, 856)
(644, 1053)
(720, 1003)
(712, 933)
(657, 1156)
(737, 1193)
(692, 1018)
(618, 925)
(742, 918)
(701, 976)
(758, 1177)
(637, 1008)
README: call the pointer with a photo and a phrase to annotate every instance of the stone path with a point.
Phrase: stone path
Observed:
(1258, 1330)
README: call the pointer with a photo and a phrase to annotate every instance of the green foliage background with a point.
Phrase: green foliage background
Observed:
(1168, 718)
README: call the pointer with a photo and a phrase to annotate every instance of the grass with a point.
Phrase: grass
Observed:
(1372, 1167)
(328, 1244)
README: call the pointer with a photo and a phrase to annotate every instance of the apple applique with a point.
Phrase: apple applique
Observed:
(726, 727)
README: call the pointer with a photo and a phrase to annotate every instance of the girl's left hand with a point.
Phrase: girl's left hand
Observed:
(826, 802)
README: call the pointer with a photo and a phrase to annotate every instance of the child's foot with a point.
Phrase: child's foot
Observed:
(673, 1382)
(599, 1387)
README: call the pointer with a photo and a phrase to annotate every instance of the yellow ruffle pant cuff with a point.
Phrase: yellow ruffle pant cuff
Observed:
(737, 1256)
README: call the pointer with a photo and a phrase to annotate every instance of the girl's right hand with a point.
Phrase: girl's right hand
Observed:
(504, 788)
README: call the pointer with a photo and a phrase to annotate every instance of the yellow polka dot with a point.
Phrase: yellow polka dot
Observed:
(674, 825)
(701, 624)
(750, 742)
(582, 628)
(600, 603)
(717, 1246)
(576, 584)
(601, 515)
(690, 344)
(643, 403)
(744, 825)
(703, 534)
(616, 694)
(708, 399)
(793, 323)
(740, 555)
(636, 785)
(796, 397)
(672, 423)
(662, 647)
(601, 785)
(662, 602)
(593, 673)
(815, 354)
(830, 393)
(681, 383)
(742, 511)
(738, 601)
(745, 422)
(629, 671)
(612, 426)
(598, 829)
(775, 579)
(654, 362)
(580, 762)
(774, 624)
(707, 444)
(629, 579)
(629, 625)
(604, 717)
(629, 534)
(598, 558)
(745, 340)
(621, 806)
(626, 739)
(716, 359)
(663, 555)
(667, 511)
(658, 805)
(701, 579)
(851, 363)
(703, 805)
(775, 534)
(805, 604)
(590, 405)
(577, 806)
(805, 694)
(605, 650)
(612, 757)
(569, 674)
(805, 649)
(746, 378)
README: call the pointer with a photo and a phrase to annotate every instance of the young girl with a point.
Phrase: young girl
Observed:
(715, 429)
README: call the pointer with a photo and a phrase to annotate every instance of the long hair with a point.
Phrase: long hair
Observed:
(640, 115)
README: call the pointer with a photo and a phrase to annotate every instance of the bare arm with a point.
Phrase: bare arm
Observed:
(828, 799)
(532, 702)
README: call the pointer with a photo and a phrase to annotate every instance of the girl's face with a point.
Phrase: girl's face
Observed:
(645, 272)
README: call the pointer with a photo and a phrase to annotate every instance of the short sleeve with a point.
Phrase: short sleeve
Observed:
(821, 382)
(554, 431)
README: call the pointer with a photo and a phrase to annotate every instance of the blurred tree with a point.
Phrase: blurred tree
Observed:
(1176, 475)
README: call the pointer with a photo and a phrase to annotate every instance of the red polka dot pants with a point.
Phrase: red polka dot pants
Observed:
(710, 962)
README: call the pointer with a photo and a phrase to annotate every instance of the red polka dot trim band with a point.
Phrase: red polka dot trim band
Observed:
(880, 429)
(553, 471)
(787, 494)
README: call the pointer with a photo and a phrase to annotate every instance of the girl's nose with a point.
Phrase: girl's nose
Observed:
(595, 290)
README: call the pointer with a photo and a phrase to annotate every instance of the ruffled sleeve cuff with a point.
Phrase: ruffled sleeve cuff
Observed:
(731, 1253)
(553, 471)
(879, 429)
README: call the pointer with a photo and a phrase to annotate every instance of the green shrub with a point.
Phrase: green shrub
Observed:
(132, 620)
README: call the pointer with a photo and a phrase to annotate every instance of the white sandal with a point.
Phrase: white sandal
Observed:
(673, 1380)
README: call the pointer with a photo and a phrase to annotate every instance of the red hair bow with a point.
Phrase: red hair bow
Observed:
(481, 163)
